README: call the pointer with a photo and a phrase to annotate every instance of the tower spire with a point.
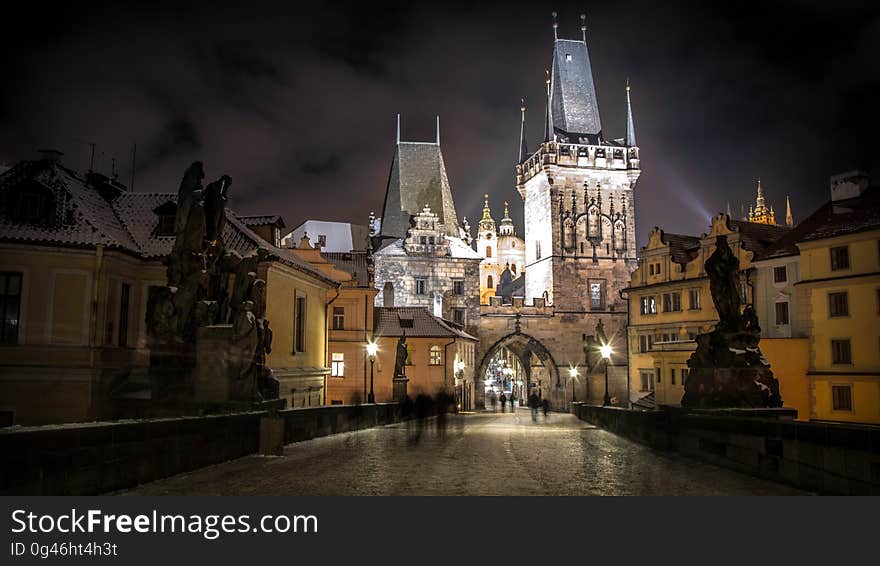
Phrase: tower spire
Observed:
(487, 213)
(584, 27)
(438, 129)
(555, 26)
(523, 148)
(789, 219)
(548, 134)
(630, 125)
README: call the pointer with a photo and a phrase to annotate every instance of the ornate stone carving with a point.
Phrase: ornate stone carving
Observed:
(728, 369)
(198, 295)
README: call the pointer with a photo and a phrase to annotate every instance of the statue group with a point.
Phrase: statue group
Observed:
(727, 370)
(198, 295)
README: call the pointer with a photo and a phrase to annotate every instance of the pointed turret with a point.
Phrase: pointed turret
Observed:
(418, 177)
(487, 223)
(762, 213)
(789, 219)
(523, 148)
(549, 135)
(630, 125)
(506, 228)
(573, 102)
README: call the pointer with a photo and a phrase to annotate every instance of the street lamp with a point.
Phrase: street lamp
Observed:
(605, 350)
(573, 374)
(372, 348)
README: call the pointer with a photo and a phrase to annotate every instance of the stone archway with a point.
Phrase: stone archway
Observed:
(521, 344)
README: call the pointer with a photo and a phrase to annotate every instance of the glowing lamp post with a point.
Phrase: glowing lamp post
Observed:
(458, 366)
(605, 350)
(573, 374)
(372, 348)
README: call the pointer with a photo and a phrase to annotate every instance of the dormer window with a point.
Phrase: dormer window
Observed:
(32, 204)
(166, 225)
(167, 213)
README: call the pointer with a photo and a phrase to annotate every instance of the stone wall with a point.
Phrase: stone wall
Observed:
(827, 458)
(440, 272)
(94, 458)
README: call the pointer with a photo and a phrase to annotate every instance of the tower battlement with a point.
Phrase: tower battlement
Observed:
(584, 156)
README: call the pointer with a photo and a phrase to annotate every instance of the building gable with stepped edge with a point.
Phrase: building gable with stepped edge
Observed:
(421, 258)
(577, 189)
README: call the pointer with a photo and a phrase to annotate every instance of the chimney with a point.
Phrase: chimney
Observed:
(52, 155)
(848, 185)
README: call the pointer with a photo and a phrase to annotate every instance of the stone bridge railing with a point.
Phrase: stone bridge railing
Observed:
(822, 457)
(100, 457)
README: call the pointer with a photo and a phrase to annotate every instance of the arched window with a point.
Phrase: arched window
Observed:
(488, 251)
(490, 283)
(436, 358)
(388, 294)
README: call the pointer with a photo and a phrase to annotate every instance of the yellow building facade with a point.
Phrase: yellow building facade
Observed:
(78, 255)
(841, 279)
(670, 303)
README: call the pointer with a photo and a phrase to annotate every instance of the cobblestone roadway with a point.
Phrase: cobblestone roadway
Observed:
(479, 454)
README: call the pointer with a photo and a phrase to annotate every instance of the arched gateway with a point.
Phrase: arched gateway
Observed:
(533, 369)
(527, 346)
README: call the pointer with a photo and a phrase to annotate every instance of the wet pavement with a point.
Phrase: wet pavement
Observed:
(474, 454)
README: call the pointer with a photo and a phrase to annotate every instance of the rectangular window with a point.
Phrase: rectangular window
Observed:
(839, 258)
(338, 318)
(841, 398)
(647, 380)
(337, 364)
(10, 306)
(649, 305)
(779, 274)
(838, 304)
(841, 353)
(659, 372)
(671, 302)
(782, 313)
(684, 375)
(643, 343)
(694, 299)
(537, 250)
(458, 286)
(651, 269)
(597, 295)
(436, 357)
(299, 325)
(458, 316)
(124, 302)
(672, 375)
(421, 286)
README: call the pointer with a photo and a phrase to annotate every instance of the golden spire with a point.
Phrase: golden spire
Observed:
(487, 213)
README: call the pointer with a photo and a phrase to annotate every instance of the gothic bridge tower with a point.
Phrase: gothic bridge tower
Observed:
(578, 190)
(580, 246)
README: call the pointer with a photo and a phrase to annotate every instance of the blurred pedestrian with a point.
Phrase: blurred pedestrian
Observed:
(503, 402)
(533, 405)
(493, 399)
(545, 406)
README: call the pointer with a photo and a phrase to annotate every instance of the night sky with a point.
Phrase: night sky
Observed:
(297, 102)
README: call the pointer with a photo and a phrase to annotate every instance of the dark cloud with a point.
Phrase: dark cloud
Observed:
(299, 100)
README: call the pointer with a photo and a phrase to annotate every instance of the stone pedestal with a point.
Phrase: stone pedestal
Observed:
(272, 435)
(728, 370)
(400, 387)
(212, 376)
